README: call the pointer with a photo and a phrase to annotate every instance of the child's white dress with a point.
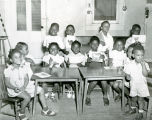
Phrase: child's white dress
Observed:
(56, 59)
(16, 77)
(118, 57)
(138, 83)
(74, 59)
(67, 40)
(49, 39)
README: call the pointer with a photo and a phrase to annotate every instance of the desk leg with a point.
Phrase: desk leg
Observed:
(34, 106)
(77, 97)
(85, 94)
(123, 98)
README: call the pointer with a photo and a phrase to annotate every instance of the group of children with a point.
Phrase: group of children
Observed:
(67, 53)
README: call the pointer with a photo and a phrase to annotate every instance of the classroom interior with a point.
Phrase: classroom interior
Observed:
(29, 21)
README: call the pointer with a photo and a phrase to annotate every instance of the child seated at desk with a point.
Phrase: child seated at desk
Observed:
(53, 59)
(117, 57)
(18, 84)
(23, 48)
(74, 59)
(137, 71)
(94, 57)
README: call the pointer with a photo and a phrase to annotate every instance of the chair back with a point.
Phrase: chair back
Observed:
(3, 89)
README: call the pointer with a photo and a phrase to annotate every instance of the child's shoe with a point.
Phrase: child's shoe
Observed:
(48, 113)
(131, 111)
(117, 98)
(88, 101)
(22, 116)
(69, 94)
(106, 101)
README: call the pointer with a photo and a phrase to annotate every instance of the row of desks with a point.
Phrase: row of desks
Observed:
(77, 75)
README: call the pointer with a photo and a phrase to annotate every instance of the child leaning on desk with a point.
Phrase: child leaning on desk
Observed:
(53, 60)
(19, 85)
(96, 59)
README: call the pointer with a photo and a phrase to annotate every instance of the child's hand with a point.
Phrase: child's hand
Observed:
(102, 43)
(79, 65)
(46, 53)
(51, 60)
(68, 63)
(128, 77)
(70, 42)
(17, 90)
(89, 59)
(101, 57)
(61, 53)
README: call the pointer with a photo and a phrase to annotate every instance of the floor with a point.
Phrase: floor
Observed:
(66, 110)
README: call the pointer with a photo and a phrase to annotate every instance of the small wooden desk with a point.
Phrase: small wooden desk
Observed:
(99, 74)
(57, 75)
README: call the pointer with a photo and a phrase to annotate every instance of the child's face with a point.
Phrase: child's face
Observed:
(136, 31)
(94, 45)
(129, 52)
(105, 27)
(16, 58)
(54, 30)
(138, 55)
(24, 50)
(119, 46)
(54, 50)
(75, 48)
(70, 31)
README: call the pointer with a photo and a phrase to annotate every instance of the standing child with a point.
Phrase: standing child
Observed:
(70, 37)
(18, 85)
(53, 37)
(106, 40)
(117, 57)
(96, 59)
(134, 31)
(136, 72)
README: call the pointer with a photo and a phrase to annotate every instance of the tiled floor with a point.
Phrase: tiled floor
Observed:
(65, 109)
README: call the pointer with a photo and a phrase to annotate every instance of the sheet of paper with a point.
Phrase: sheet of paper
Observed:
(42, 75)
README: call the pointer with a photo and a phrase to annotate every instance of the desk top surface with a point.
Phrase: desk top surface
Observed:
(100, 72)
(56, 73)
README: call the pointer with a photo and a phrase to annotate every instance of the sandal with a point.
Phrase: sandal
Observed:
(48, 113)
(22, 116)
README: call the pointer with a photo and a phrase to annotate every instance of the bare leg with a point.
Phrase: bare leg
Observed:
(42, 99)
(91, 86)
(26, 99)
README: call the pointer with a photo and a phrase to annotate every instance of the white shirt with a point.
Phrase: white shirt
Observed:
(67, 40)
(118, 57)
(95, 55)
(16, 76)
(74, 59)
(135, 71)
(108, 42)
(56, 59)
(49, 39)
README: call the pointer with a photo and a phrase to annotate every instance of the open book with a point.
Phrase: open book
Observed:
(42, 75)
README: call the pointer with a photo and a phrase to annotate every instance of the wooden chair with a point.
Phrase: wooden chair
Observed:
(5, 99)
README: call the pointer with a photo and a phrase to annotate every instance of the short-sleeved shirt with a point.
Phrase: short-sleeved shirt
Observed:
(67, 40)
(118, 57)
(16, 76)
(57, 59)
(49, 39)
(95, 55)
(138, 81)
(74, 59)
(108, 41)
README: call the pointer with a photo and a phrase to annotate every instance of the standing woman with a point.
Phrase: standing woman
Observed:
(106, 40)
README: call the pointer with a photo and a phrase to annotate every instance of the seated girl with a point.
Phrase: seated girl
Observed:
(19, 85)
(96, 59)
